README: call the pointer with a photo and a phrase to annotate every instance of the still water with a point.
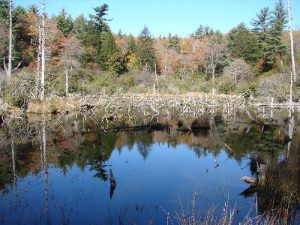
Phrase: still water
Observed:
(77, 170)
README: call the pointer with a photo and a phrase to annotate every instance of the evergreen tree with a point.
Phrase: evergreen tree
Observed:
(173, 42)
(4, 7)
(108, 49)
(243, 44)
(64, 22)
(278, 24)
(117, 63)
(132, 45)
(33, 9)
(146, 51)
(99, 31)
(204, 31)
(99, 20)
(79, 26)
(261, 26)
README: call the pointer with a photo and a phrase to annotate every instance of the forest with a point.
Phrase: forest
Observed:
(63, 56)
(106, 127)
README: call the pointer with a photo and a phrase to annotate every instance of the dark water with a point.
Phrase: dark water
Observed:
(77, 170)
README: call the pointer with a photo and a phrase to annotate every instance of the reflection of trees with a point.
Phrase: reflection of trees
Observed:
(44, 165)
(278, 180)
(144, 142)
(67, 146)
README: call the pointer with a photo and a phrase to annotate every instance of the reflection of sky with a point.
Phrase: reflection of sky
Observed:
(165, 178)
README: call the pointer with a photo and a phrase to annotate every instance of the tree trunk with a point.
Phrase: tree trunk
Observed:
(67, 80)
(213, 78)
(38, 75)
(9, 66)
(13, 159)
(42, 94)
(292, 40)
(43, 146)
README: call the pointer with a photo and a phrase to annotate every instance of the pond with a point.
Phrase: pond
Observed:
(75, 169)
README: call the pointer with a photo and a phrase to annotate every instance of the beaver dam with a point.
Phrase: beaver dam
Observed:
(96, 166)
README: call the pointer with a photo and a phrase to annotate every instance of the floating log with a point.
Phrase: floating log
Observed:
(153, 127)
(250, 180)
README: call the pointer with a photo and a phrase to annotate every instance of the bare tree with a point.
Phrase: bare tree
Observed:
(292, 41)
(37, 83)
(238, 70)
(215, 56)
(70, 58)
(42, 94)
(9, 66)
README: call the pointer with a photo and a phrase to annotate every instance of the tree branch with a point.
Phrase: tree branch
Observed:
(4, 65)
(17, 67)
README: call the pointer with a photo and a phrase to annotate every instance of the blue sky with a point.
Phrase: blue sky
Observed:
(180, 17)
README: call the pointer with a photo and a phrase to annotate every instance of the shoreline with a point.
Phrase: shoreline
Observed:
(189, 103)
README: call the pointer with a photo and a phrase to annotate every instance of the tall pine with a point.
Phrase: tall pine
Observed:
(278, 24)
(108, 49)
(243, 44)
(146, 51)
(64, 22)
(262, 26)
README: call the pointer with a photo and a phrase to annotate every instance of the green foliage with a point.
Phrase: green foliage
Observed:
(23, 37)
(108, 49)
(99, 21)
(64, 22)
(261, 26)
(146, 52)
(132, 45)
(269, 26)
(4, 8)
(33, 9)
(173, 42)
(278, 24)
(225, 86)
(79, 26)
(247, 88)
(243, 44)
(20, 90)
(117, 63)
(204, 31)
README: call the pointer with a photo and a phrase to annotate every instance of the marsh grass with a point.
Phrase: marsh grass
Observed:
(224, 216)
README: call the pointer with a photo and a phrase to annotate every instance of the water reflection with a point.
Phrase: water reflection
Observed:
(226, 149)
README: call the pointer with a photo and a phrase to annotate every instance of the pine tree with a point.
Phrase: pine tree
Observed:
(261, 26)
(99, 20)
(64, 22)
(243, 44)
(146, 51)
(98, 31)
(4, 8)
(278, 24)
(173, 42)
(108, 49)
(132, 45)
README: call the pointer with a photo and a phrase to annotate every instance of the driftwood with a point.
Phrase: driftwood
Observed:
(250, 180)
(153, 127)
